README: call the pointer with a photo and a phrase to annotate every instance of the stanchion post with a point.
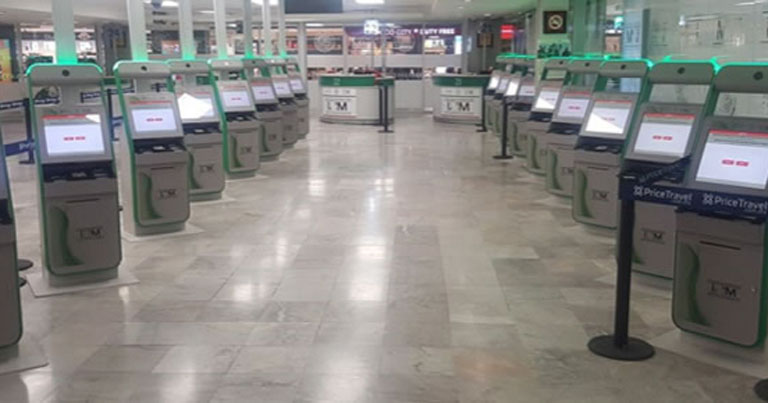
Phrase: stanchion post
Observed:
(110, 114)
(385, 108)
(482, 128)
(504, 139)
(28, 103)
(619, 346)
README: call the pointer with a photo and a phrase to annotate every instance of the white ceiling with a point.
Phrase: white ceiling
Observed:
(87, 11)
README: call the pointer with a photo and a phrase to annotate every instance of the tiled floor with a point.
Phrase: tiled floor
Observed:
(361, 267)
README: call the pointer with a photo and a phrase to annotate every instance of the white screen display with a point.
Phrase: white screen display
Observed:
(547, 99)
(664, 134)
(609, 118)
(735, 158)
(571, 107)
(153, 120)
(195, 107)
(502, 85)
(282, 88)
(297, 85)
(527, 91)
(512, 88)
(493, 83)
(73, 134)
(235, 99)
(263, 93)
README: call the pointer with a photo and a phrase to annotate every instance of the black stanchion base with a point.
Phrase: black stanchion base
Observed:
(502, 157)
(26, 162)
(483, 130)
(386, 131)
(24, 264)
(761, 389)
(635, 350)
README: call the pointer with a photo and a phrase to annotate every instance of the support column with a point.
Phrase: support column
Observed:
(303, 62)
(220, 21)
(281, 27)
(248, 28)
(266, 28)
(64, 31)
(137, 29)
(588, 22)
(465, 46)
(186, 30)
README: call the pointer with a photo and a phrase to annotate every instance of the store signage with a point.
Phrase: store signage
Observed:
(371, 27)
(508, 31)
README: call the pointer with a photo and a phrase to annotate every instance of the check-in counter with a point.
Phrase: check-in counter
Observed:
(458, 98)
(354, 99)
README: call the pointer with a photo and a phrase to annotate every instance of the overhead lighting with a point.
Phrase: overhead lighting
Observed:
(261, 2)
(206, 11)
(315, 24)
(369, 1)
(165, 3)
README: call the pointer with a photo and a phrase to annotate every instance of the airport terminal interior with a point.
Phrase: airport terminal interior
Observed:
(383, 201)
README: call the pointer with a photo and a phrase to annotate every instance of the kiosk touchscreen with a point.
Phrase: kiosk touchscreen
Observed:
(556, 152)
(156, 195)
(720, 262)
(10, 302)
(299, 89)
(267, 107)
(281, 83)
(544, 104)
(601, 141)
(242, 140)
(77, 179)
(664, 135)
(201, 123)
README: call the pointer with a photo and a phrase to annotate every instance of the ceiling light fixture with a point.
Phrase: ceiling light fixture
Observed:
(315, 24)
(369, 2)
(261, 2)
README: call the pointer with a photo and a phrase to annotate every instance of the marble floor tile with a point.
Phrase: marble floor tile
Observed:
(197, 360)
(124, 359)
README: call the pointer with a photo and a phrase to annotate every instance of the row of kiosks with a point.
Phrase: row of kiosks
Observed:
(11, 327)
(494, 102)
(518, 100)
(201, 123)
(535, 127)
(299, 89)
(601, 140)
(276, 71)
(267, 109)
(556, 148)
(523, 68)
(502, 68)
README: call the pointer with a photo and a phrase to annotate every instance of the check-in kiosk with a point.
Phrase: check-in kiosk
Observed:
(282, 85)
(488, 93)
(10, 302)
(242, 139)
(601, 141)
(558, 148)
(267, 107)
(77, 179)
(299, 89)
(519, 108)
(663, 135)
(534, 129)
(491, 108)
(719, 281)
(154, 161)
(518, 67)
(201, 123)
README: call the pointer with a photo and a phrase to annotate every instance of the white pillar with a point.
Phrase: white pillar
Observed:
(220, 21)
(303, 63)
(64, 31)
(186, 30)
(281, 27)
(266, 28)
(465, 46)
(248, 28)
(137, 28)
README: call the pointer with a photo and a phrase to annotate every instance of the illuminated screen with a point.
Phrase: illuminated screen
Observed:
(527, 91)
(263, 93)
(196, 107)
(235, 99)
(493, 83)
(73, 134)
(609, 118)
(502, 84)
(297, 85)
(574, 108)
(664, 134)
(735, 158)
(547, 99)
(282, 88)
(512, 88)
(153, 120)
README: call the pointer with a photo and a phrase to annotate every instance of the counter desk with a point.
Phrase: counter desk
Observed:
(458, 98)
(354, 99)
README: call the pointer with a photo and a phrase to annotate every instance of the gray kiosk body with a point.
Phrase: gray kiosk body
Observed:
(77, 180)
(719, 280)
(488, 94)
(558, 148)
(536, 127)
(519, 110)
(202, 129)
(663, 135)
(153, 156)
(497, 101)
(242, 142)
(299, 89)
(267, 108)
(282, 86)
(600, 143)
(10, 302)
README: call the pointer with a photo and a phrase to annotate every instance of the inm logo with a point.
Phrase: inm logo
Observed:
(599, 195)
(90, 233)
(724, 290)
(205, 168)
(165, 194)
(650, 235)
(464, 107)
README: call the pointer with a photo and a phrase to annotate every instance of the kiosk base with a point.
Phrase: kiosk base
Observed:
(761, 389)
(24, 264)
(634, 350)
(159, 229)
(42, 285)
(205, 196)
(240, 175)
(26, 355)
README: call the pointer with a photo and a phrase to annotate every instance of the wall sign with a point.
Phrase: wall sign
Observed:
(555, 22)
(508, 31)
